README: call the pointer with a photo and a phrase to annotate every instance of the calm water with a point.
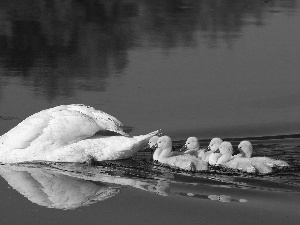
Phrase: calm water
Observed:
(205, 68)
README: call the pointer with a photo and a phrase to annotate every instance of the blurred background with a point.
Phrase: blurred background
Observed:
(202, 68)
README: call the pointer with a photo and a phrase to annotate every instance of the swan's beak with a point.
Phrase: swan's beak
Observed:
(184, 148)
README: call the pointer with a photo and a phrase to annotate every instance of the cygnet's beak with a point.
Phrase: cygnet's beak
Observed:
(154, 147)
(184, 148)
(207, 149)
(217, 151)
(237, 151)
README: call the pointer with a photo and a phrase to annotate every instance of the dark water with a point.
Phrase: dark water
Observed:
(203, 68)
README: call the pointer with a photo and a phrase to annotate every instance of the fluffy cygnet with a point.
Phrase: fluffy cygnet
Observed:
(153, 141)
(192, 147)
(255, 164)
(212, 156)
(226, 151)
(184, 162)
(246, 150)
(153, 144)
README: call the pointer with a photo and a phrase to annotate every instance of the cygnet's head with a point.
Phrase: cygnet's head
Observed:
(214, 144)
(191, 144)
(164, 146)
(226, 148)
(164, 142)
(245, 148)
(153, 142)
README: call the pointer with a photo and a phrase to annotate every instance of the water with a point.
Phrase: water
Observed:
(191, 68)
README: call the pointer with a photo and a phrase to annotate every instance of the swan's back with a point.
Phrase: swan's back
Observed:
(59, 126)
(98, 148)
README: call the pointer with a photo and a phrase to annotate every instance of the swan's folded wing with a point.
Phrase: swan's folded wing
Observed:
(48, 126)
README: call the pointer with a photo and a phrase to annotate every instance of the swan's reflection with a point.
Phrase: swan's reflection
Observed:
(54, 190)
(69, 186)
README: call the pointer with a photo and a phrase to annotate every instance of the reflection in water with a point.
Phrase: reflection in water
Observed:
(224, 198)
(69, 186)
(221, 198)
(54, 190)
(68, 189)
(48, 42)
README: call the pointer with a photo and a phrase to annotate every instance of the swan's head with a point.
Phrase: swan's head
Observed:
(191, 144)
(245, 148)
(153, 142)
(214, 144)
(226, 148)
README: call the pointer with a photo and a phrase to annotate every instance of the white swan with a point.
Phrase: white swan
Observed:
(68, 133)
(211, 156)
(256, 164)
(184, 162)
(192, 147)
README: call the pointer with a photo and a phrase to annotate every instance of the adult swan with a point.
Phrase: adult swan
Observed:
(69, 133)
